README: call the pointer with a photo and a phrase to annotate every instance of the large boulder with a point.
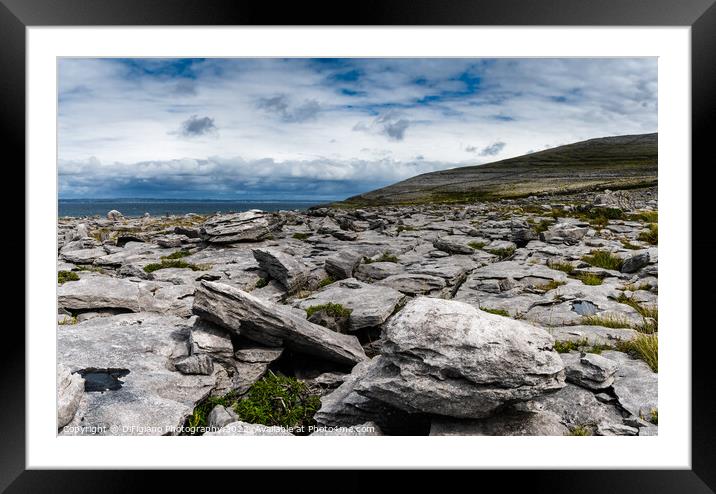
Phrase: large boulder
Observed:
(589, 370)
(104, 292)
(249, 226)
(284, 268)
(370, 305)
(70, 388)
(636, 386)
(131, 385)
(635, 262)
(566, 232)
(272, 324)
(449, 358)
(342, 264)
(114, 215)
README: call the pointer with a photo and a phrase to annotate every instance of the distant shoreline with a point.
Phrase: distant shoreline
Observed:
(162, 207)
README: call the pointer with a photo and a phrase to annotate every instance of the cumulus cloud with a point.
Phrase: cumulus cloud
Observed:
(279, 105)
(197, 126)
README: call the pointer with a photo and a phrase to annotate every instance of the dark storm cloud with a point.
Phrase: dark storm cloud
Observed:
(197, 126)
(280, 106)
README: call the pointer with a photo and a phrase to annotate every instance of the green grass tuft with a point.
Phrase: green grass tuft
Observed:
(651, 235)
(565, 267)
(551, 285)
(65, 276)
(278, 400)
(476, 245)
(614, 322)
(325, 282)
(301, 236)
(604, 259)
(262, 282)
(580, 430)
(646, 217)
(589, 279)
(502, 253)
(644, 347)
(334, 310)
(173, 263)
(177, 255)
(497, 312)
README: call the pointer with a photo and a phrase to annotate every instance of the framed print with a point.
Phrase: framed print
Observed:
(423, 237)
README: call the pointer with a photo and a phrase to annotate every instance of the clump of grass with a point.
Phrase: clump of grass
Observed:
(551, 285)
(651, 235)
(628, 245)
(654, 416)
(580, 430)
(579, 345)
(542, 226)
(614, 322)
(278, 400)
(384, 257)
(476, 245)
(262, 282)
(633, 287)
(565, 267)
(644, 347)
(497, 312)
(333, 310)
(604, 259)
(503, 252)
(326, 281)
(649, 313)
(301, 236)
(65, 276)
(172, 263)
(68, 321)
(589, 279)
(646, 217)
(177, 255)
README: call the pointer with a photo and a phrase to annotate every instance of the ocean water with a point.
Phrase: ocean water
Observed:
(162, 207)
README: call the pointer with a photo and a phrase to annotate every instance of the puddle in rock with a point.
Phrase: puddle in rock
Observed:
(103, 379)
(584, 308)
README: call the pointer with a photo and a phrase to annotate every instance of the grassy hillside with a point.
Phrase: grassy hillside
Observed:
(619, 162)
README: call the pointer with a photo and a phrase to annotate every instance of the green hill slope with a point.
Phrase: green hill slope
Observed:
(619, 162)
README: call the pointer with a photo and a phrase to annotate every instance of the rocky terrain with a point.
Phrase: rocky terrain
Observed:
(530, 316)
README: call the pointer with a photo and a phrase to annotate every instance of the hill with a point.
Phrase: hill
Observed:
(619, 162)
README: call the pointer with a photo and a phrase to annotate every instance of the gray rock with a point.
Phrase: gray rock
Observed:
(271, 324)
(249, 226)
(449, 358)
(577, 406)
(505, 424)
(569, 233)
(282, 267)
(153, 399)
(341, 264)
(239, 428)
(611, 429)
(377, 271)
(453, 245)
(195, 364)
(104, 292)
(370, 305)
(114, 215)
(70, 388)
(220, 416)
(636, 386)
(83, 256)
(589, 370)
(413, 284)
(635, 262)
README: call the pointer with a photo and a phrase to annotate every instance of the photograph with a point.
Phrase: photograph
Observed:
(399, 246)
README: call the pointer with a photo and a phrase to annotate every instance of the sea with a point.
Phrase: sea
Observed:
(163, 207)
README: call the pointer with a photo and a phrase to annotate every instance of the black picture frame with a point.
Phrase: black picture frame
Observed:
(700, 15)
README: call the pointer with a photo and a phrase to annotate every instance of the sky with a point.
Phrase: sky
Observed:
(325, 129)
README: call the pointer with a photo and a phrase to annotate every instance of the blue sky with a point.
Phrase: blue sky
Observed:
(326, 128)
